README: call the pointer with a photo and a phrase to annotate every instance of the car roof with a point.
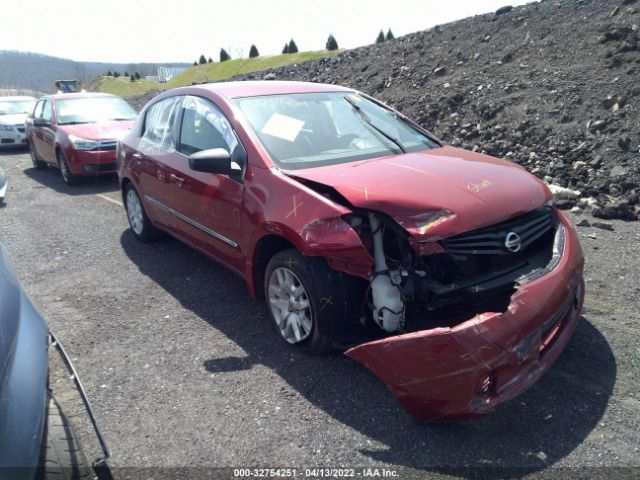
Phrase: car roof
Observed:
(266, 87)
(57, 96)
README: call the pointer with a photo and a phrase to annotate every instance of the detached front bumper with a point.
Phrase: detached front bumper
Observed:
(468, 370)
(85, 162)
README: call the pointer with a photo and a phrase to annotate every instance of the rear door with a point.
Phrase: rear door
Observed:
(155, 150)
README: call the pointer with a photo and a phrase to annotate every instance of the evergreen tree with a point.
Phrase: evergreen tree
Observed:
(195, 63)
(109, 74)
(210, 60)
(116, 74)
(224, 56)
(253, 52)
(293, 48)
(126, 74)
(202, 60)
(132, 78)
(286, 48)
(380, 38)
(332, 43)
(389, 35)
(137, 75)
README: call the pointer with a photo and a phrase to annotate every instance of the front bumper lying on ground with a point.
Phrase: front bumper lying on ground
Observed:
(467, 370)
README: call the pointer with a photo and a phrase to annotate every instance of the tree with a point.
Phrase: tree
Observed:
(126, 74)
(210, 60)
(332, 43)
(116, 74)
(389, 35)
(380, 38)
(286, 48)
(202, 60)
(132, 78)
(137, 75)
(224, 56)
(253, 52)
(109, 74)
(293, 48)
(195, 63)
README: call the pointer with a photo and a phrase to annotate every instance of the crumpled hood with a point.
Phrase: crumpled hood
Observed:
(436, 193)
(99, 130)
(16, 119)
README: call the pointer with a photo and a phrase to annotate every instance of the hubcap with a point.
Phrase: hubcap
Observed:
(290, 305)
(134, 211)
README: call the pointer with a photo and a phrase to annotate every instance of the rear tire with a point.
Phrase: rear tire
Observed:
(139, 222)
(37, 163)
(61, 456)
(67, 175)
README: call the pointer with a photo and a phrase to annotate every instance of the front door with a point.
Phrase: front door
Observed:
(207, 206)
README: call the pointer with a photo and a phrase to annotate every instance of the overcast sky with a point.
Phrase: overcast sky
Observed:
(131, 31)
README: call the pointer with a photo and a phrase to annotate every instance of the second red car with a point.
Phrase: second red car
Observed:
(77, 133)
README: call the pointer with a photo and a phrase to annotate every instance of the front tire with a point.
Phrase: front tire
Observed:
(37, 163)
(304, 300)
(139, 222)
(67, 175)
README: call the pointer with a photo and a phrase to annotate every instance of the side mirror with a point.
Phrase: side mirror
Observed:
(40, 122)
(215, 160)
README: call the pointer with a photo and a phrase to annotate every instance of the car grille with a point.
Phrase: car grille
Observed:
(106, 145)
(491, 240)
(20, 128)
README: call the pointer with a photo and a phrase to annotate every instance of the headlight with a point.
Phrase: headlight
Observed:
(6, 128)
(82, 143)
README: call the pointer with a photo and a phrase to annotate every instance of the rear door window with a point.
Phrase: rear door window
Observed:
(159, 121)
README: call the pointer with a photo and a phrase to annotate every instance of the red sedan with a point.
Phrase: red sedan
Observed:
(77, 133)
(446, 272)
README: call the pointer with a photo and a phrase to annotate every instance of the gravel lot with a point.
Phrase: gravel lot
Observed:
(184, 369)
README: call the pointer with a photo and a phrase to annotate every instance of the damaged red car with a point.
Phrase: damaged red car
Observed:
(447, 273)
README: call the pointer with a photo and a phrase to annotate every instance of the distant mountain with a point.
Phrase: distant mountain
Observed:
(34, 71)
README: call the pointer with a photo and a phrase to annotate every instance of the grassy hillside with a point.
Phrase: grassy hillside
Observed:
(124, 87)
(209, 72)
(221, 70)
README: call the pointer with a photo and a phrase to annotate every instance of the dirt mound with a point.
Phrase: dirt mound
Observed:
(553, 86)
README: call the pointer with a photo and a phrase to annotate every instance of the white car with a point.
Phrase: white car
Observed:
(13, 112)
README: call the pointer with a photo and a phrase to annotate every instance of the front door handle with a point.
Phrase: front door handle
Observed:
(177, 180)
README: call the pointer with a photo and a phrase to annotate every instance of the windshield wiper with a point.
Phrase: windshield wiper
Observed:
(365, 117)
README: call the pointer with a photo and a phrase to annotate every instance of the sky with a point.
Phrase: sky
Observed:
(131, 31)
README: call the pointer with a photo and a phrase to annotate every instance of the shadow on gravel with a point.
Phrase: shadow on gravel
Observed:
(50, 177)
(527, 434)
(13, 151)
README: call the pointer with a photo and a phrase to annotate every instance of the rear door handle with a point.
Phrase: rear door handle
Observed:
(177, 180)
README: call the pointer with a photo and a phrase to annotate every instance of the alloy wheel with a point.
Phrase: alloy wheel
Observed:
(290, 306)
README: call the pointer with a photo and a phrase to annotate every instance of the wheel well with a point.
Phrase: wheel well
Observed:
(123, 187)
(267, 247)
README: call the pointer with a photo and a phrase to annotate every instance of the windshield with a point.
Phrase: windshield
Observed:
(315, 129)
(92, 109)
(14, 107)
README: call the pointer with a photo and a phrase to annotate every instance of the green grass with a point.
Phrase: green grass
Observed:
(209, 72)
(124, 87)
